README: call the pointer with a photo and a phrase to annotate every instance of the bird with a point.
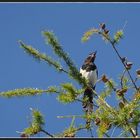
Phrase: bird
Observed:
(90, 72)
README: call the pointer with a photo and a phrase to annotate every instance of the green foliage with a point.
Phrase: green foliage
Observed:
(57, 48)
(105, 36)
(53, 42)
(125, 82)
(105, 94)
(36, 125)
(118, 36)
(32, 130)
(121, 116)
(110, 85)
(21, 92)
(136, 117)
(71, 130)
(66, 97)
(68, 93)
(70, 88)
(40, 56)
(89, 33)
(126, 115)
(28, 92)
(53, 89)
(37, 117)
(108, 89)
(105, 115)
(102, 129)
(31, 51)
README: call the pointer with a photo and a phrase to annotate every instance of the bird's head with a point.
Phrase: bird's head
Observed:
(91, 57)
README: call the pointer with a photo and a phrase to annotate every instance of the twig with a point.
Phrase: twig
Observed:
(47, 133)
(104, 102)
(112, 85)
(101, 98)
(82, 102)
(91, 132)
(61, 69)
(124, 99)
(124, 25)
(133, 132)
(112, 43)
(70, 116)
(136, 130)
(106, 135)
(136, 79)
(122, 78)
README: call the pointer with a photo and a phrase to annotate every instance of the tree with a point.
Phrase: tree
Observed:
(105, 118)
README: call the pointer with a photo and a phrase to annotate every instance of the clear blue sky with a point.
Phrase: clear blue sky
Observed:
(25, 21)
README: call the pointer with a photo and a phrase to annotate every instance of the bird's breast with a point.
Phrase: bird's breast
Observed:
(90, 75)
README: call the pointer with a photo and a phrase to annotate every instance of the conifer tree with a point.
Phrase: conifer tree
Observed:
(105, 119)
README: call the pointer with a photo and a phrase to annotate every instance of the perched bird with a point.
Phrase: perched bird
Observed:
(90, 72)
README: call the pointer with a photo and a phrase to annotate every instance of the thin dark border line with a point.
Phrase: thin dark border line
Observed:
(75, 2)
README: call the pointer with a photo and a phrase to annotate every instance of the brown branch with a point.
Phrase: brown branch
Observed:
(112, 43)
(133, 132)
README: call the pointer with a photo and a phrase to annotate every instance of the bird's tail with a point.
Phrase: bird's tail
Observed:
(88, 103)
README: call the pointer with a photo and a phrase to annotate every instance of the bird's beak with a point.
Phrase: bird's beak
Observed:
(95, 53)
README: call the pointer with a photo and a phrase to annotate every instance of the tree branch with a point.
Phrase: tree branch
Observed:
(112, 43)
(122, 78)
(132, 131)
(46, 133)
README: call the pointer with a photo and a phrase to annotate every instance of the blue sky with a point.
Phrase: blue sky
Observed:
(25, 21)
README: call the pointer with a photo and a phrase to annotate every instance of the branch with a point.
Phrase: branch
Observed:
(122, 78)
(112, 85)
(82, 102)
(104, 102)
(40, 56)
(112, 43)
(136, 130)
(58, 50)
(133, 132)
(47, 133)
(27, 92)
(106, 135)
